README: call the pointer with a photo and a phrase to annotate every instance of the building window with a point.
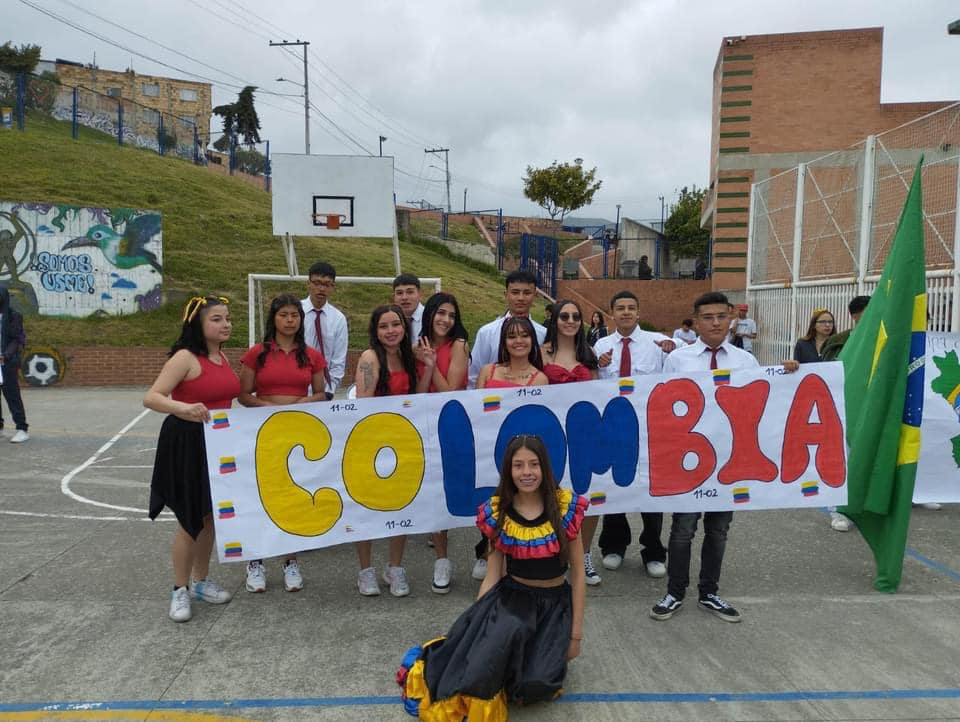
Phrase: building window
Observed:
(188, 94)
(151, 116)
(114, 92)
(151, 90)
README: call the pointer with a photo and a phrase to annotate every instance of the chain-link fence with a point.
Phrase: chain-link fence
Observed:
(117, 120)
(832, 245)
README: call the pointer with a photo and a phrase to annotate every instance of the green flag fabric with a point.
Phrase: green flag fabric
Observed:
(883, 389)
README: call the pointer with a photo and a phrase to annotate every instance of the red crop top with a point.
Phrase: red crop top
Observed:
(216, 387)
(559, 375)
(399, 384)
(280, 375)
(531, 545)
(493, 383)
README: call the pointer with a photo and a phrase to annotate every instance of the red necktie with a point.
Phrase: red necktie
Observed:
(316, 325)
(713, 357)
(625, 360)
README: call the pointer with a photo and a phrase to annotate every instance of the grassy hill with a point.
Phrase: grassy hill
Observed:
(216, 229)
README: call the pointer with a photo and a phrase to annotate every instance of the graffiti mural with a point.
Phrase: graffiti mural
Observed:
(64, 260)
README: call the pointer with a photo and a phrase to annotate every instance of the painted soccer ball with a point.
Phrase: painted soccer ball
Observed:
(42, 370)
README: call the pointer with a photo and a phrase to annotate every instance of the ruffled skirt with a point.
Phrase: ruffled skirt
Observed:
(180, 479)
(510, 645)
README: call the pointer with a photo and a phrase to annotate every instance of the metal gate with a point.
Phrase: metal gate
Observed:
(538, 254)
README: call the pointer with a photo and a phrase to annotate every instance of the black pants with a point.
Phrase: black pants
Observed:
(615, 536)
(11, 392)
(682, 531)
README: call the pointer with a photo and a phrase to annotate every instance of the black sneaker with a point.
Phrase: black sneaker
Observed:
(716, 605)
(666, 607)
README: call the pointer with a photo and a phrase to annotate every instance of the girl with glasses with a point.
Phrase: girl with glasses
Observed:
(809, 347)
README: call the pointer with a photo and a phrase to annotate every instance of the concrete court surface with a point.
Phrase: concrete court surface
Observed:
(85, 579)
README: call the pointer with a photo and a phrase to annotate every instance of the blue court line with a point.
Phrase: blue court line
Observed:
(584, 698)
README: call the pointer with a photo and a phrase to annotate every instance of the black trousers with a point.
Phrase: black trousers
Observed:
(682, 531)
(615, 536)
(11, 392)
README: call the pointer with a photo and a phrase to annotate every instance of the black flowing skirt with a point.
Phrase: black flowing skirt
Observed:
(509, 645)
(180, 480)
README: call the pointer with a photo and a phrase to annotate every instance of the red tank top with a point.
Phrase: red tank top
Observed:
(443, 366)
(216, 387)
(399, 384)
(493, 383)
(559, 375)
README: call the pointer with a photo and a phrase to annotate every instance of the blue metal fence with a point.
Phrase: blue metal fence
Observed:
(538, 254)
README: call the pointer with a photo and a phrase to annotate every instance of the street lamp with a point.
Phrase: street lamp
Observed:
(306, 113)
(382, 138)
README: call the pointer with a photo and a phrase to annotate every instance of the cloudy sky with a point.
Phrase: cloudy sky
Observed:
(624, 85)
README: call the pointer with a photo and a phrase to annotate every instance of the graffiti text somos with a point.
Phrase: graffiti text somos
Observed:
(64, 273)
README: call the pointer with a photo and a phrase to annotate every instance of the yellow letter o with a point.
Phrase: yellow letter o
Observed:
(364, 485)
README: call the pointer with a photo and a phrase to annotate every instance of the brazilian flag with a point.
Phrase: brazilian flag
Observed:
(883, 368)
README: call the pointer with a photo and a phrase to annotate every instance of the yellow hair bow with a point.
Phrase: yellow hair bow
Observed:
(196, 303)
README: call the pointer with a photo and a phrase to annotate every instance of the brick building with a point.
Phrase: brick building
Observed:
(183, 98)
(780, 100)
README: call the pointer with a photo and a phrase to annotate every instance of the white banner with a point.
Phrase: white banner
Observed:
(938, 470)
(292, 478)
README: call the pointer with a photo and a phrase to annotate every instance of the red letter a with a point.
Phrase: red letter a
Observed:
(827, 435)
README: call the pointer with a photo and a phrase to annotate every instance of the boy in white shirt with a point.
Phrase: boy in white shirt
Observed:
(712, 317)
(685, 334)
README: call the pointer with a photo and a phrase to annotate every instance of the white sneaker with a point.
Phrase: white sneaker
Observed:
(932, 505)
(209, 591)
(367, 582)
(656, 569)
(396, 577)
(838, 522)
(292, 578)
(19, 437)
(590, 574)
(479, 569)
(180, 605)
(442, 570)
(256, 577)
(612, 561)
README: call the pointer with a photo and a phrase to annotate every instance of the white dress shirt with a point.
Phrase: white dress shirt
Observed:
(416, 323)
(645, 356)
(687, 336)
(486, 346)
(696, 357)
(333, 324)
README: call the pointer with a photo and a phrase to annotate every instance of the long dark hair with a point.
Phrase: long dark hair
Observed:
(511, 322)
(507, 488)
(406, 350)
(433, 303)
(584, 353)
(191, 332)
(270, 332)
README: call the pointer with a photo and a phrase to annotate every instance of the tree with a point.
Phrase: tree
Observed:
(561, 188)
(684, 235)
(22, 60)
(241, 117)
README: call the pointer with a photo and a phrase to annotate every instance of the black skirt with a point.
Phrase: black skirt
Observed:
(180, 480)
(509, 645)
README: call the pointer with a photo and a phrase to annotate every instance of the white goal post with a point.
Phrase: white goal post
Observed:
(255, 286)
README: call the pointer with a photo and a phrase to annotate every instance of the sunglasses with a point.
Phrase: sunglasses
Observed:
(565, 316)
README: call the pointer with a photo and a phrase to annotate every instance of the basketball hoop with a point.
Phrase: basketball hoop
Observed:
(333, 221)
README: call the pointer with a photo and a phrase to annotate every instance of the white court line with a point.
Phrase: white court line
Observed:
(79, 516)
(65, 482)
(118, 466)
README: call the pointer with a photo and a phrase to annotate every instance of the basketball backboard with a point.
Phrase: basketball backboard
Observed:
(332, 195)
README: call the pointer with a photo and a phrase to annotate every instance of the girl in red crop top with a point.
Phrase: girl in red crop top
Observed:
(388, 368)
(568, 358)
(196, 378)
(442, 331)
(281, 370)
(518, 358)
(527, 622)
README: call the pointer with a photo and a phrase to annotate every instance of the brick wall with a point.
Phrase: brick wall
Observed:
(139, 365)
(790, 93)
(663, 304)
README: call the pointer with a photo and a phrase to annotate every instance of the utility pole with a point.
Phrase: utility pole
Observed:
(464, 199)
(306, 91)
(446, 164)
(382, 138)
